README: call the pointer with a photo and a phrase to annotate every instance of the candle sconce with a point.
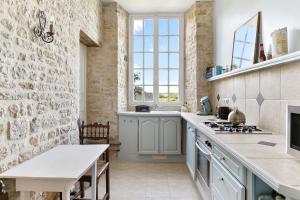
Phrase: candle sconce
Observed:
(39, 30)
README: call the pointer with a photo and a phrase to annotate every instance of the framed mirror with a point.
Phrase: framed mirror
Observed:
(245, 43)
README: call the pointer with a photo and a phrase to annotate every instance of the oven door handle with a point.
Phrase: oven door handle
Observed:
(207, 154)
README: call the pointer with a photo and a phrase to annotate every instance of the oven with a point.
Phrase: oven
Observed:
(203, 164)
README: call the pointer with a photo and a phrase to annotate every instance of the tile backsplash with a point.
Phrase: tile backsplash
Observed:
(261, 95)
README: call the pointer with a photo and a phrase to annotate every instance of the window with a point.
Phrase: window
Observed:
(156, 63)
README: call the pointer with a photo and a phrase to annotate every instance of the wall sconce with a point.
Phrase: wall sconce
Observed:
(39, 30)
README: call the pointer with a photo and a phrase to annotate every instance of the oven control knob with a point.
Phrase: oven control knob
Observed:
(206, 142)
(209, 144)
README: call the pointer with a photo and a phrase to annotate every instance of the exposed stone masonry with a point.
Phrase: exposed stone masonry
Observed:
(198, 51)
(39, 81)
(107, 70)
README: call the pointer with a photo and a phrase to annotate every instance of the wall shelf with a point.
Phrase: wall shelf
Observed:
(289, 58)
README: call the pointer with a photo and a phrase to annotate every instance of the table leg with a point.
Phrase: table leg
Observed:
(25, 195)
(94, 181)
(65, 195)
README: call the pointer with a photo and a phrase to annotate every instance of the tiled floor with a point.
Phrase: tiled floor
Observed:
(150, 181)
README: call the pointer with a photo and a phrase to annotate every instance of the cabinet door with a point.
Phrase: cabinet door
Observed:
(148, 135)
(191, 150)
(170, 134)
(128, 136)
(224, 184)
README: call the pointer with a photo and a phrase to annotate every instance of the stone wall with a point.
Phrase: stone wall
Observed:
(39, 81)
(198, 51)
(90, 16)
(122, 59)
(191, 59)
(107, 70)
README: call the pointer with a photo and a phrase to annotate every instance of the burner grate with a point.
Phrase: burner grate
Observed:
(228, 127)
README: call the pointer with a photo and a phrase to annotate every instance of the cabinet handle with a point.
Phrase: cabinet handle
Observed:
(220, 178)
(138, 135)
(222, 158)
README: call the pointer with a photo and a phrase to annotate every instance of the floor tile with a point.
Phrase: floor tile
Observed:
(149, 181)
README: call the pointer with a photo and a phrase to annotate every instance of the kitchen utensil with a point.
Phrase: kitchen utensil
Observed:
(236, 117)
(142, 108)
(206, 107)
(223, 112)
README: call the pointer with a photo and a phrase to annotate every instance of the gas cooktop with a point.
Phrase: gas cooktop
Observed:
(229, 128)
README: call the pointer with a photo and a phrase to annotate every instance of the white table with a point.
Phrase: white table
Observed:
(56, 170)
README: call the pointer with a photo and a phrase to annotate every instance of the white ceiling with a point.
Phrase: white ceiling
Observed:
(154, 6)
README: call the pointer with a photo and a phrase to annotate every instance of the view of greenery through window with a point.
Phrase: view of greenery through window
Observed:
(165, 53)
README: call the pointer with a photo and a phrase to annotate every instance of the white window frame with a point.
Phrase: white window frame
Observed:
(155, 101)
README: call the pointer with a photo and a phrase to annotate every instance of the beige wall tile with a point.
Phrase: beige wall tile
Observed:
(239, 87)
(252, 112)
(241, 104)
(290, 75)
(270, 116)
(270, 83)
(252, 85)
(213, 95)
(226, 88)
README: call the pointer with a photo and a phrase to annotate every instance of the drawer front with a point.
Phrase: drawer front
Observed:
(215, 195)
(234, 166)
(224, 184)
(191, 150)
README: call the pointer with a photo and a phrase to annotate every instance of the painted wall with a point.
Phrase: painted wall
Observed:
(277, 86)
(230, 14)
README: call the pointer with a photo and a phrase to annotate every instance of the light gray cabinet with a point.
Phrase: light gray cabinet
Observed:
(170, 137)
(224, 184)
(191, 149)
(148, 135)
(128, 136)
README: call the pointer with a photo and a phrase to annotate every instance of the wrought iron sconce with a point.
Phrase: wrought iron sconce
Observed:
(39, 30)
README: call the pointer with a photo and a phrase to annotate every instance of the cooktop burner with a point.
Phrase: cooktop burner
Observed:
(229, 128)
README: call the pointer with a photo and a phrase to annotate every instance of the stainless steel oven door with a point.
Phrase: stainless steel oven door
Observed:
(203, 166)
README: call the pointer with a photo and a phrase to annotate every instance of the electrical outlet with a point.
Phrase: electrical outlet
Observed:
(226, 101)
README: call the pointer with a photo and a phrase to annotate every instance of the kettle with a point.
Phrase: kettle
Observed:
(236, 117)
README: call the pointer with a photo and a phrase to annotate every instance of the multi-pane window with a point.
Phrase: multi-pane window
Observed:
(143, 64)
(156, 60)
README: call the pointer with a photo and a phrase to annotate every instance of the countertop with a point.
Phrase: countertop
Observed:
(151, 113)
(275, 167)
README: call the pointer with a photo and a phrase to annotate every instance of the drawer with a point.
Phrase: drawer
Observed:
(224, 184)
(232, 165)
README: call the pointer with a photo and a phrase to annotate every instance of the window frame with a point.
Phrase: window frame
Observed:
(155, 18)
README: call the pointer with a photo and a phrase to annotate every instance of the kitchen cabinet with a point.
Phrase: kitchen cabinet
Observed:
(191, 149)
(224, 184)
(230, 163)
(128, 136)
(148, 135)
(170, 137)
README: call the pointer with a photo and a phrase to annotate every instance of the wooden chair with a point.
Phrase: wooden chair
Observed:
(95, 133)
(3, 192)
